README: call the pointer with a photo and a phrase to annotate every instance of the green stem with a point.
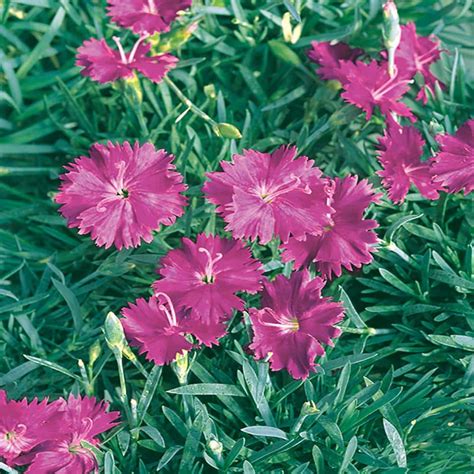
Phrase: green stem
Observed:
(191, 106)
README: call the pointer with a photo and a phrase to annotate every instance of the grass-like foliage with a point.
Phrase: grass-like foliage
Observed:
(393, 395)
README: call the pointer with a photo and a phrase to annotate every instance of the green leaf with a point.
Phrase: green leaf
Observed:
(267, 431)
(348, 454)
(396, 442)
(208, 389)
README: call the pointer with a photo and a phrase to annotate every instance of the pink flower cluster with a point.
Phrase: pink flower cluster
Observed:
(120, 194)
(368, 85)
(145, 17)
(50, 437)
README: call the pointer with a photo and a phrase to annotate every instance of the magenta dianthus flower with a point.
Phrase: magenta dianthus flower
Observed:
(83, 419)
(453, 166)
(146, 16)
(270, 194)
(293, 323)
(369, 85)
(329, 57)
(349, 242)
(156, 328)
(400, 156)
(416, 54)
(104, 64)
(23, 425)
(204, 277)
(121, 194)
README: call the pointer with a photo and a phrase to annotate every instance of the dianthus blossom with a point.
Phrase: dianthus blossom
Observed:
(416, 54)
(25, 425)
(203, 277)
(329, 57)
(369, 85)
(453, 166)
(400, 155)
(293, 323)
(104, 64)
(82, 420)
(156, 328)
(120, 194)
(263, 195)
(349, 241)
(146, 16)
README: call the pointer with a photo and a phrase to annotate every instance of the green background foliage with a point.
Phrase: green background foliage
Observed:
(395, 393)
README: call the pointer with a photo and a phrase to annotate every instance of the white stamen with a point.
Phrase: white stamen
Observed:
(209, 270)
(123, 56)
(170, 314)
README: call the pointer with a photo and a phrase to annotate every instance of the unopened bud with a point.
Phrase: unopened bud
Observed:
(210, 91)
(94, 353)
(227, 130)
(391, 29)
(114, 335)
(216, 447)
(290, 34)
(134, 89)
(391, 33)
(181, 367)
(309, 408)
(175, 39)
(284, 52)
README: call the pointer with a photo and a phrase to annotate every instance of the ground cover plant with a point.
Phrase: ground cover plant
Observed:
(236, 236)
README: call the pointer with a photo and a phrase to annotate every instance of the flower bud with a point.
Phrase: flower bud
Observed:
(133, 89)
(216, 447)
(94, 353)
(175, 39)
(391, 29)
(309, 408)
(114, 335)
(227, 130)
(181, 367)
(210, 91)
(290, 34)
(391, 33)
(283, 52)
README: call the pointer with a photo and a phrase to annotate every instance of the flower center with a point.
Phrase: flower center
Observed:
(209, 276)
(269, 195)
(123, 193)
(285, 323)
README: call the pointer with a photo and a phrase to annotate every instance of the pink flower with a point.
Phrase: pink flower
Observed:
(121, 194)
(270, 194)
(156, 328)
(104, 64)
(329, 57)
(416, 54)
(349, 242)
(369, 85)
(204, 277)
(25, 425)
(83, 419)
(453, 166)
(146, 16)
(400, 156)
(293, 322)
